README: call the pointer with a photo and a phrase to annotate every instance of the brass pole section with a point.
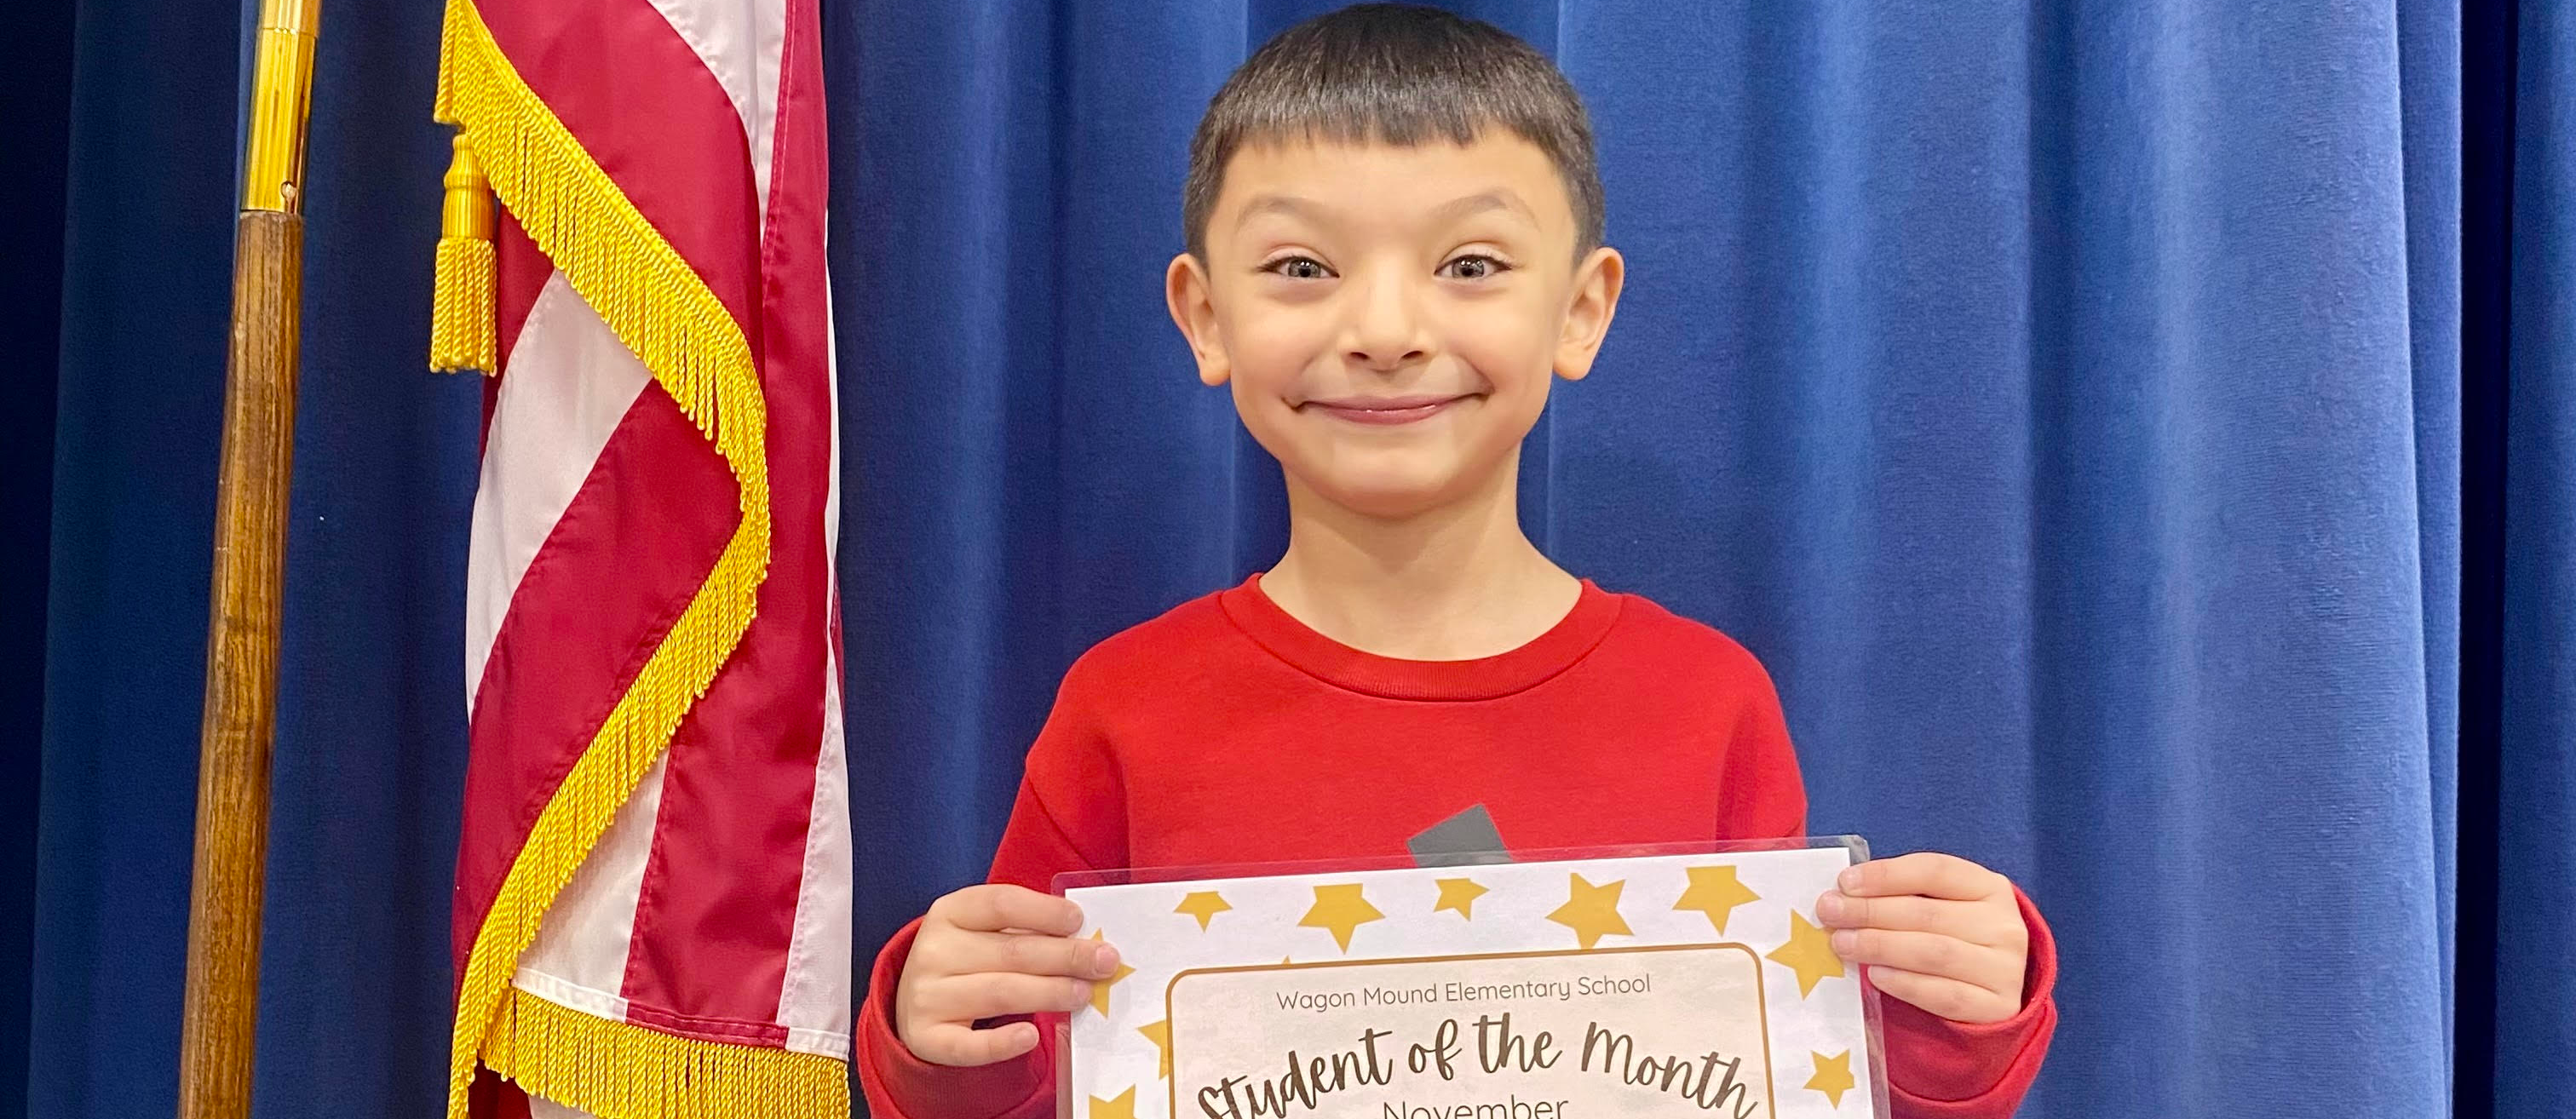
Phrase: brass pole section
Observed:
(281, 99)
(250, 545)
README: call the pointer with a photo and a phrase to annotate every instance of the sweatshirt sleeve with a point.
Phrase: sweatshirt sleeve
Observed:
(1760, 794)
(1940, 1069)
(899, 1085)
(1070, 816)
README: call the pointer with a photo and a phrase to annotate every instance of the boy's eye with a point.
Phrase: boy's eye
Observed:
(1473, 266)
(1298, 268)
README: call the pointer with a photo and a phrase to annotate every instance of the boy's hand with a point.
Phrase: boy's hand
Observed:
(1937, 931)
(993, 952)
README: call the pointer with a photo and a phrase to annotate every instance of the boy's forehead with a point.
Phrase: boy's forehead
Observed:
(1299, 176)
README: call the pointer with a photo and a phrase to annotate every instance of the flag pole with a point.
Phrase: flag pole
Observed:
(250, 545)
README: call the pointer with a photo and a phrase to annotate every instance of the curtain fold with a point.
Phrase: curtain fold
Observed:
(2535, 809)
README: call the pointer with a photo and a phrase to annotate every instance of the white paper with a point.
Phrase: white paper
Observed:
(1675, 1016)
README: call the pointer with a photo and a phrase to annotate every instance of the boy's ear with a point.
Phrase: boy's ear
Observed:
(1587, 318)
(1185, 289)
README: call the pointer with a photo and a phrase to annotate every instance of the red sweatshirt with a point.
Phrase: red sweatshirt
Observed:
(1226, 732)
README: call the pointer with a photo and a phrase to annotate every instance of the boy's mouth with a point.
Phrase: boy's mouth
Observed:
(1387, 411)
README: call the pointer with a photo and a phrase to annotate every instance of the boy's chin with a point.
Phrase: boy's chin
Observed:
(1394, 495)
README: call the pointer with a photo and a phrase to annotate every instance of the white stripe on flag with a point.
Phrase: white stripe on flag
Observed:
(586, 935)
(570, 383)
(814, 1002)
(539, 1108)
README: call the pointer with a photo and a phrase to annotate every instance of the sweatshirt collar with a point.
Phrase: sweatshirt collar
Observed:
(1494, 677)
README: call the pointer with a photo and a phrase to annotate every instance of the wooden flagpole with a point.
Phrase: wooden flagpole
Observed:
(250, 545)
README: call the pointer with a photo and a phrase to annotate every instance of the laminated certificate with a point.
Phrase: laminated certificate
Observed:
(1646, 986)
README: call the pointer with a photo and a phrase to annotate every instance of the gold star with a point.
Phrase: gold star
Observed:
(1714, 893)
(1100, 990)
(1459, 894)
(1833, 1075)
(1342, 910)
(1204, 905)
(1591, 911)
(1160, 1033)
(1120, 1106)
(1809, 952)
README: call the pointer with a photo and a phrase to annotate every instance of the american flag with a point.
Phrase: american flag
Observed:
(652, 907)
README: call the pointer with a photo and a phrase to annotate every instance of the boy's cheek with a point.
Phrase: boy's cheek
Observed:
(1280, 339)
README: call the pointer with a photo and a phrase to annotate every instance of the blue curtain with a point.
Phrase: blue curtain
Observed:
(2140, 439)
(35, 132)
(2521, 440)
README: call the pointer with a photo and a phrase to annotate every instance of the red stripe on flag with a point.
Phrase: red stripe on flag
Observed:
(718, 906)
(521, 274)
(494, 1098)
(646, 108)
(614, 574)
(729, 1031)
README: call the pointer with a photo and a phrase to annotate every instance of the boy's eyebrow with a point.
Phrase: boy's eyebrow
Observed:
(1275, 204)
(1497, 199)
(1450, 211)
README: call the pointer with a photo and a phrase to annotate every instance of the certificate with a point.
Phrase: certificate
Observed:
(1660, 985)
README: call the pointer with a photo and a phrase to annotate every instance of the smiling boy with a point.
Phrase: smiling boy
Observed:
(1394, 247)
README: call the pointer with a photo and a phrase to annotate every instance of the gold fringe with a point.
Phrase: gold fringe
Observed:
(622, 1069)
(461, 326)
(659, 307)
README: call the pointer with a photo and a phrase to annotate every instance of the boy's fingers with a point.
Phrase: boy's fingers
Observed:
(1926, 953)
(1838, 910)
(1928, 873)
(1036, 955)
(1978, 922)
(993, 908)
(962, 1045)
(971, 998)
(1944, 997)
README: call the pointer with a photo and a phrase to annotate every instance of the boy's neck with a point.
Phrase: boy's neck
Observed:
(1454, 583)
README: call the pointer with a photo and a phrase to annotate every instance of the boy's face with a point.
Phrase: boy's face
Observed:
(1389, 317)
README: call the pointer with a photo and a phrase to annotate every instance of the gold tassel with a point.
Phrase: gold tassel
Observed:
(462, 334)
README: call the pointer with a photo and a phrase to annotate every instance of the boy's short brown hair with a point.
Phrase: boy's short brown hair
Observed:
(1394, 74)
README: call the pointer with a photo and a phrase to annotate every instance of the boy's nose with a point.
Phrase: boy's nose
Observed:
(1386, 332)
